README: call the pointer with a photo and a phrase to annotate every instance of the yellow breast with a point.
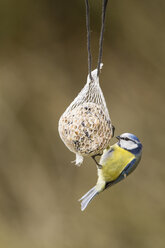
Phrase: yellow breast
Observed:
(113, 162)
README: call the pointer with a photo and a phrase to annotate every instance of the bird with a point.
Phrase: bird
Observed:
(116, 163)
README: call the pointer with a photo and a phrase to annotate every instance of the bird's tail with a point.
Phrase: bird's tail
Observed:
(87, 198)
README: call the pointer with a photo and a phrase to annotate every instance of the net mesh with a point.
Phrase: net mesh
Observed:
(91, 93)
(85, 127)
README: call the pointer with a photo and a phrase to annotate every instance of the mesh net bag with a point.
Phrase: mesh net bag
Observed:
(85, 127)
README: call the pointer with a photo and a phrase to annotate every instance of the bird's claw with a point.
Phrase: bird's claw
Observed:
(98, 165)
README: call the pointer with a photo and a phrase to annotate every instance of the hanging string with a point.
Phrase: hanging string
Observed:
(104, 5)
(88, 38)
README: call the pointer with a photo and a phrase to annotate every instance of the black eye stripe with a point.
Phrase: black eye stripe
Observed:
(124, 138)
(127, 139)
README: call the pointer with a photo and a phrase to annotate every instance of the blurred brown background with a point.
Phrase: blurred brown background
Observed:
(43, 65)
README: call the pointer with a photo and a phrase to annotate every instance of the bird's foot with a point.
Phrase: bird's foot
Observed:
(94, 158)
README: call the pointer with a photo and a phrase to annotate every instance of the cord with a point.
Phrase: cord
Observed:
(104, 6)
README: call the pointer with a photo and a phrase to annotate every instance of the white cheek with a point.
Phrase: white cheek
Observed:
(128, 144)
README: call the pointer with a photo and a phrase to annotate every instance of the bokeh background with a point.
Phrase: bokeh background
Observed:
(43, 65)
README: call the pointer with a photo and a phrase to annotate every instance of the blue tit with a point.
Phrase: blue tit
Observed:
(115, 164)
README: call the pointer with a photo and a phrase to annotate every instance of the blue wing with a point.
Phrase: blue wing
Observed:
(127, 170)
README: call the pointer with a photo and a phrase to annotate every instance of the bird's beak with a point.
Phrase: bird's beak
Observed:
(118, 137)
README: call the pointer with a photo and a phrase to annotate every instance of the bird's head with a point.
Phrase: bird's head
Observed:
(130, 142)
